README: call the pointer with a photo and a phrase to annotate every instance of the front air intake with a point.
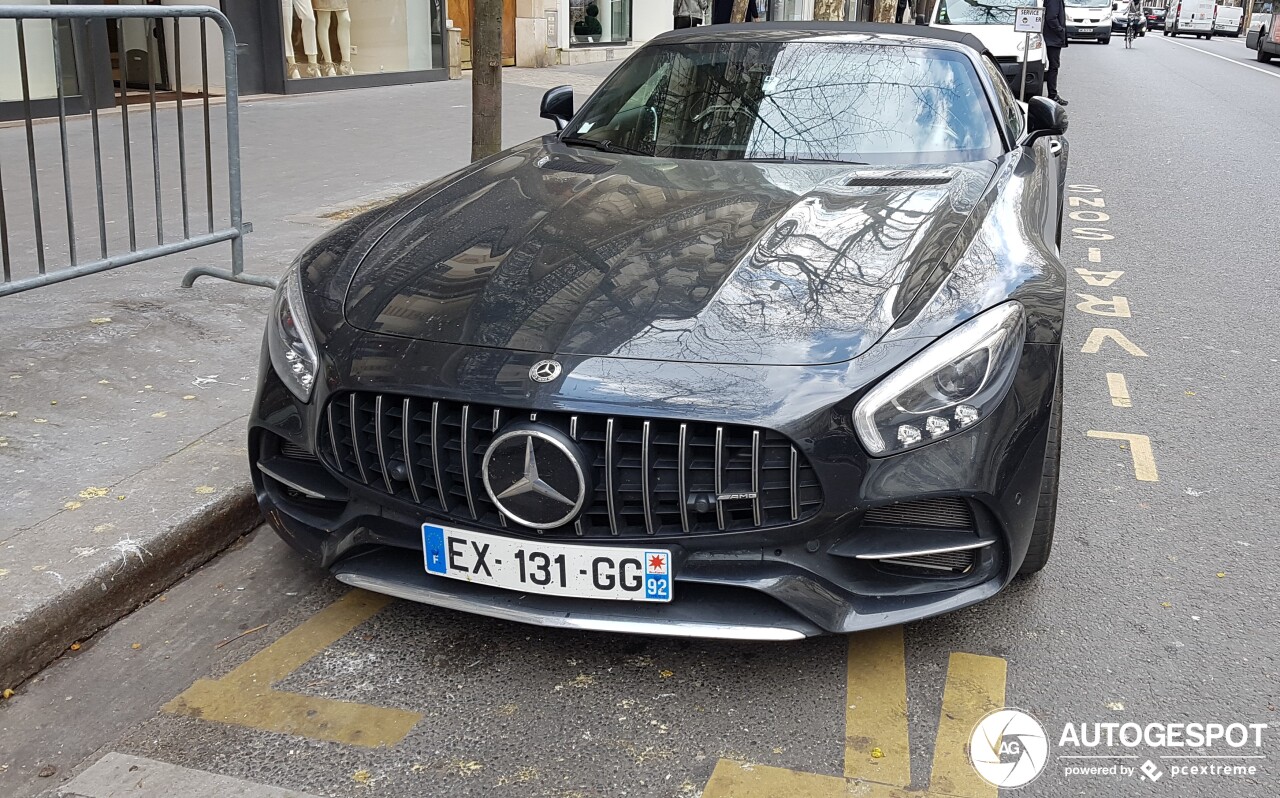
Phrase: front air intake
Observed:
(942, 513)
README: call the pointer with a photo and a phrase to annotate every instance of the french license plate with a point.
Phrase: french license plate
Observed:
(557, 569)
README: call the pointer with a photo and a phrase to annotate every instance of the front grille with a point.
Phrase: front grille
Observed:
(943, 513)
(954, 561)
(652, 476)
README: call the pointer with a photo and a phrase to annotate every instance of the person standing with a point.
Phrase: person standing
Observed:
(690, 13)
(1055, 38)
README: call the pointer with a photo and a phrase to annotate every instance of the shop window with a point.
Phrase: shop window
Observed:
(599, 22)
(328, 38)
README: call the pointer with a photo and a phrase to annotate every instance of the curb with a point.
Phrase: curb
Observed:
(103, 586)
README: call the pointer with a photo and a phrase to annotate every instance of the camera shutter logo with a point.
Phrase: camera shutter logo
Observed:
(1008, 748)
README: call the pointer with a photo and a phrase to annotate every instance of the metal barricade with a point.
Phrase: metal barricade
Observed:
(88, 26)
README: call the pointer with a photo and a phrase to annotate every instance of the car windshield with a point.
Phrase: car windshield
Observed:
(792, 101)
(1088, 3)
(973, 12)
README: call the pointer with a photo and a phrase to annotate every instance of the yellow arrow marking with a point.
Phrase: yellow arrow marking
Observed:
(245, 696)
(876, 717)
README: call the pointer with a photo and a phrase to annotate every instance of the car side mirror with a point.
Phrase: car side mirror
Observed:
(557, 105)
(1044, 118)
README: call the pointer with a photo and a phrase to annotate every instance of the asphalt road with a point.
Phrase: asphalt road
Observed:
(1157, 607)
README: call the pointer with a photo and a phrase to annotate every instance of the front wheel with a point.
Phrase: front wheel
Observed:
(1263, 56)
(1105, 41)
(1047, 506)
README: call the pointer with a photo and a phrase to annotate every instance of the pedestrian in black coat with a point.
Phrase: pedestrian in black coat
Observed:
(722, 10)
(1055, 38)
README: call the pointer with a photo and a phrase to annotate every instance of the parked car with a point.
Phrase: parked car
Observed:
(1089, 19)
(763, 342)
(1155, 18)
(1190, 17)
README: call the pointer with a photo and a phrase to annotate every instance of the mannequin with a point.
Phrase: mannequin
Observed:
(325, 11)
(303, 9)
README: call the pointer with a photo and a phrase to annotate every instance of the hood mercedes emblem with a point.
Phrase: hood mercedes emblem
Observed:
(535, 476)
(544, 371)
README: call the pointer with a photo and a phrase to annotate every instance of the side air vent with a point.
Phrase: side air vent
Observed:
(556, 164)
(888, 180)
(944, 513)
(293, 451)
(954, 561)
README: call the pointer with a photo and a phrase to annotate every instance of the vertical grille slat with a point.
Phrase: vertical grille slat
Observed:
(357, 445)
(464, 439)
(407, 442)
(437, 452)
(650, 523)
(651, 477)
(683, 468)
(333, 441)
(608, 476)
(756, 468)
(719, 483)
(795, 484)
(379, 438)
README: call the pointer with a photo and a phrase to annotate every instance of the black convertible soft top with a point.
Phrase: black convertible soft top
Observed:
(798, 31)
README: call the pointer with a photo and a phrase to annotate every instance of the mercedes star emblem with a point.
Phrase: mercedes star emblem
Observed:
(544, 371)
(535, 476)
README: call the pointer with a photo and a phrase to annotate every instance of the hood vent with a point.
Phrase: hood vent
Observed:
(559, 164)
(896, 179)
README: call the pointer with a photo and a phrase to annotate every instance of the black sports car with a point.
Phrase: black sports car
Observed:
(763, 343)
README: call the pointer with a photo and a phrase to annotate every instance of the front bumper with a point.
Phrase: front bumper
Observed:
(1086, 31)
(783, 582)
(1013, 74)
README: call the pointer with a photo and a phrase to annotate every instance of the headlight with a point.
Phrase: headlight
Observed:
(293, 348)
(950, 386)
(1035, 40)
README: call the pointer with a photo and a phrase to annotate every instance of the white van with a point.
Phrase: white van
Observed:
(1089, 19)
(1190, 17)
(1228, 20)
(993, 25)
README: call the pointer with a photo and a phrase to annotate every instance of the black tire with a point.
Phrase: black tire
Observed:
(1047, 506)
(1263, 56)
(1105, 41)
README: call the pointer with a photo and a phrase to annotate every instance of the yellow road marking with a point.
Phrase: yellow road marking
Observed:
(876, 717)
(1101, 279)
(876, 709)
(1100, 334)
(1095, 255)
(975, 686)
(1092, 233)
(1076, 202)
(1091, 304)
(1119, 390)
(1090, 216)
(1144, 460)
(244, 697)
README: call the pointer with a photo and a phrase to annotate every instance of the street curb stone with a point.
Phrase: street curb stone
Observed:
(112, 554)
(120, 775)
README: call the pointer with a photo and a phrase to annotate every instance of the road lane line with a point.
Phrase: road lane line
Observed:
(1119, 390)
(1119, 306)
(1099, 279)
(1099, 335)
(245, 697)
(1144, 459)
(975, 686)
(1273, 73)
(876, 709)
(1095, 255)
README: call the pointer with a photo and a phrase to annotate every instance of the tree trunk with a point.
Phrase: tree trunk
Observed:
(486, 78)
(739, 13)
(885, 10)
(829, 10)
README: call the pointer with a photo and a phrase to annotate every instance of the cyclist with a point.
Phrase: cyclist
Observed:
(1135, 21)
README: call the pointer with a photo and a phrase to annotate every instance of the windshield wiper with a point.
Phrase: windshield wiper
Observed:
(798, 159)
(603, 145)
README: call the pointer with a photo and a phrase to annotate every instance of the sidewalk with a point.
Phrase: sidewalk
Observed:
(123, 397)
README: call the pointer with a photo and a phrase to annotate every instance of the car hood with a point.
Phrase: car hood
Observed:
(560, 250)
